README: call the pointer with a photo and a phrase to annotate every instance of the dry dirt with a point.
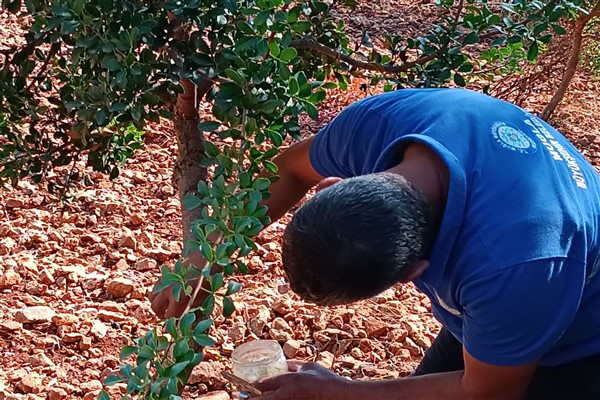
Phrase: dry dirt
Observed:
(74, 278)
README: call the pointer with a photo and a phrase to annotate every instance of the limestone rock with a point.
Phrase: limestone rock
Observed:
(57, 394)
(9, 279)
(259, 321)
(34, 314)
(237, 332)
(47, 277)
(65, 319)
(145, 264)
(11, 326)
(31, 383)
(40, 360)
(99, 329)
(93, 281)
(128, 240)
(281, 330)
(375, 327)
(7, 245)
(86, 343)
(119, 287)
(291, 348)
(206, 373)
(122, 265)
(14, 203)
(111, 316)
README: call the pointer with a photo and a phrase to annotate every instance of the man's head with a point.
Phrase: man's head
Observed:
(356, 238)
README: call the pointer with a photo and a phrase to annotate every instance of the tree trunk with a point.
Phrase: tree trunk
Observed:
(571, 67)
(188, 172)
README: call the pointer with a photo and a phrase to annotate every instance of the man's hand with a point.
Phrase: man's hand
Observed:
(165, 306)
(308, 381)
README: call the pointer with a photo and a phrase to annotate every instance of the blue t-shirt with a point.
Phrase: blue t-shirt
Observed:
(513, 271)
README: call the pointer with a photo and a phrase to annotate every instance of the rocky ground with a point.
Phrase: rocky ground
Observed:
(74, 277)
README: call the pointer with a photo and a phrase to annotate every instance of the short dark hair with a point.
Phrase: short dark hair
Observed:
(356, 238)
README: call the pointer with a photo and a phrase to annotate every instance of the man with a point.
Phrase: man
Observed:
(487, 209)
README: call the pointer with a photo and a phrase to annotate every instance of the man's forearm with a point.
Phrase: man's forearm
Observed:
(285, 193)
(443, 386)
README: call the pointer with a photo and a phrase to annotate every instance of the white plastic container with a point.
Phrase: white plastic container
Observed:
(258, 359)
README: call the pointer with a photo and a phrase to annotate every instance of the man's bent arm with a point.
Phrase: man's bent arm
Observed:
(296, 177)
(479, 381)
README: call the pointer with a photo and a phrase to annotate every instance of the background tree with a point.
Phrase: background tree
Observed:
(91, 74)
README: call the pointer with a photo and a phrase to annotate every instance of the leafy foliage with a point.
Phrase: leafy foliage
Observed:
(93, 73)
(591, 50)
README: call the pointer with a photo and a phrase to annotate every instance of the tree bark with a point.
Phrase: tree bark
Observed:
(190, 141)
(188, 171)
(571, 67)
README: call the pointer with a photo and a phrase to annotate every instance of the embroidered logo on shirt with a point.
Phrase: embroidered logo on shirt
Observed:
(442, 303)
(513, 139)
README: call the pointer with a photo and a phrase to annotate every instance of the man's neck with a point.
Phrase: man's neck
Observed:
(422, 167)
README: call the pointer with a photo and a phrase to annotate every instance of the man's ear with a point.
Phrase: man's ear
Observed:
(325, 183)
(415, 270)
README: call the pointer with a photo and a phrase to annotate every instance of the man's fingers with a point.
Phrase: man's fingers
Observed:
(273, 383)
(295, 365)
(268, 396)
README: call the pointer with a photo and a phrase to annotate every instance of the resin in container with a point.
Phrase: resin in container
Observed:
(258, 359)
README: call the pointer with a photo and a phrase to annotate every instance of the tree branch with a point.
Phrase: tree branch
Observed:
(307, 44)
(457, 16)
(571, 64)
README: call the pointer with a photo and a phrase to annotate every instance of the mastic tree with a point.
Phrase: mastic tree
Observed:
(89, 75)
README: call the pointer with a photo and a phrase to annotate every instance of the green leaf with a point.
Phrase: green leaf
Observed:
(202, 326)
(204, 340)
(235, 76)
(270, 167)
(191, 202)
(127, 351)
(261, 183)
(221, 20)
(274, 49)
(208, 305)
(294, 87)
(288, 54)
(311, 110)
(232, 288)
(533, 51)
(171, 327)
(209, 126)
(103, 395)
(228, 307)
(459, 80)
(168, 278)
(210, 149)
(185, 324)
(216, 282)
(113, 379)
(559, 30)
(207, 252)
(145, 353)
(12, 6)
(268, 106)
(177, 368)
(111, 64)
(181, 347)
(276, 139)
